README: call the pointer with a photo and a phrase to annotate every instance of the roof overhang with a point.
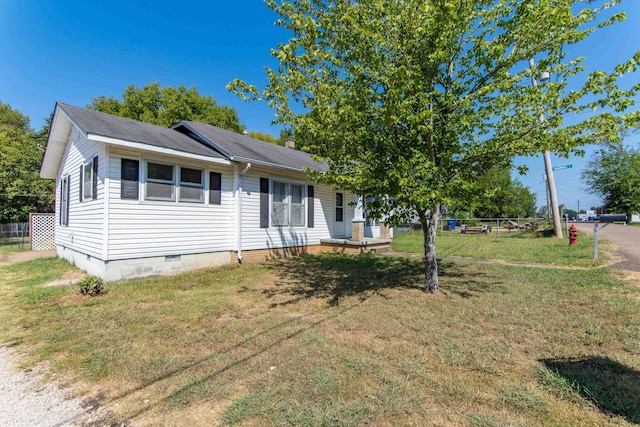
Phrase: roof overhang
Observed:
(267, 164)
(61, 127)
(158, 150)
(56, 143)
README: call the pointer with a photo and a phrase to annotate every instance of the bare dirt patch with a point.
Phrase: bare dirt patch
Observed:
(14, 257)
(70, 277)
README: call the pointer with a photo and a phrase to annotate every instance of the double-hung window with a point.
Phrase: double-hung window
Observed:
(160, 182)
(287, 204)
(370, 221)
(191, 185)
(171, 182)
(64, 200)
(87, 181)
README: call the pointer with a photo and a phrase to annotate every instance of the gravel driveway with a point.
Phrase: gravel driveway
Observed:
(26, 399)
(627, 241)
(35, 398)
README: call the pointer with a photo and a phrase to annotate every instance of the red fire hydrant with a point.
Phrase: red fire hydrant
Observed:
(573, 235)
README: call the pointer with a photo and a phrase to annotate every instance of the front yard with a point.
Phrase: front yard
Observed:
(336, 340)
(526, 247)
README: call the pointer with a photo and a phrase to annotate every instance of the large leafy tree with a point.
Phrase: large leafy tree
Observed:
(21, 189)
(614, 174)
(412, 100)
(168, 105)
(500, 196)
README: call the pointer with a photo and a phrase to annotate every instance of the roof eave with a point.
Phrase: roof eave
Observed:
(155, 149)
(270, 165)
(61, 126)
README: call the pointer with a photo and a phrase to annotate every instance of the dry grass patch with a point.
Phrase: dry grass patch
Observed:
(337, 340)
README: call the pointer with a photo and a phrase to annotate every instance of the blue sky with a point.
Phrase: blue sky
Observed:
(72, 51)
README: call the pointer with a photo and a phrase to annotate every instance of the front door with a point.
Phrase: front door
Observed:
(338, 223)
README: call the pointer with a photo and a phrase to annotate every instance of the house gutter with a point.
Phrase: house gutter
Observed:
(238, 180)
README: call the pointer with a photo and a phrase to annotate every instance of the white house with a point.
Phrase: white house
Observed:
(136, 199)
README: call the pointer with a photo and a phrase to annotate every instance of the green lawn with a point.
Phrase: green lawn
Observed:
(14, 245)
(339, 340)
(509, 246)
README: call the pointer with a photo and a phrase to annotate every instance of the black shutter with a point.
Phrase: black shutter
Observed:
(264, 203)
(66, 214)
(80, 183)
(310, 213)
(129, 178)
(215, 188)
(95, 178)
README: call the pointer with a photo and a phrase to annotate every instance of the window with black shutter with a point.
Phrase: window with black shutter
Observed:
(94, 183)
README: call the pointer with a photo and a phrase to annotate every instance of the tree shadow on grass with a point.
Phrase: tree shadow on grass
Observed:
(611, 386)
(334, 276)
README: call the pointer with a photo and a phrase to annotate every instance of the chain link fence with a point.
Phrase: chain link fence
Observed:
(482, 225)
(14, 237)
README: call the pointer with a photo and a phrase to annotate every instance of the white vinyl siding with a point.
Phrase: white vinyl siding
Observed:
(84, 232)
(146, 228)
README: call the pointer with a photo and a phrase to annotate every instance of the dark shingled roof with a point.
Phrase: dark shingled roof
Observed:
(249, 149)
(97, 123)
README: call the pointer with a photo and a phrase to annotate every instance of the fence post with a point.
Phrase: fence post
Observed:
(595, 239)
(30, 228)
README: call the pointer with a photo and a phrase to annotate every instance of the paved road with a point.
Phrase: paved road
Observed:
(627, 240)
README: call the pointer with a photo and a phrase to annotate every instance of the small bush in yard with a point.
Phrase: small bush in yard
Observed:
(91, 286)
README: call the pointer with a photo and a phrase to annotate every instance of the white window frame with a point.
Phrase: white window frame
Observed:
(87, 183)
(147, 180)
(64, 200)
(288, 201)
(368, 221)
(182, 184)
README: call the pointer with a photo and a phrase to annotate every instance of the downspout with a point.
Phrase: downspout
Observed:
(238, 180)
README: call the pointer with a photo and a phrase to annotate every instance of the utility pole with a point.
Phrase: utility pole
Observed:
(551, 182)
(578, 210)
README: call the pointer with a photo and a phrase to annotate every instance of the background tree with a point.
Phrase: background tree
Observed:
(572, 213)
(414, 99)
(168, 105)
(286, 134)
(264, 137)
(614, 175)
(22, 191)
(500, 196)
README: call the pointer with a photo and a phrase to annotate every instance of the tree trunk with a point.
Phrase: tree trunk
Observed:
(429, 230)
